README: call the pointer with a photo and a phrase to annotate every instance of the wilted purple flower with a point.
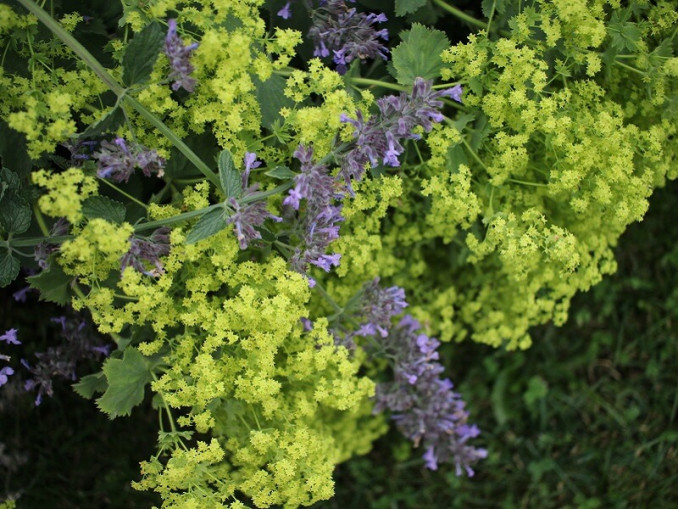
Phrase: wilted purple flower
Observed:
(285, 12)
(42, 251)
(346, 34)
(307, 324)
(117, 161)
(145, 251)
(247, 216)
(179, 58)
(10, 338)
(5, 373)
(423, 406)
(77, 341)
(80, 150)
(378, 140)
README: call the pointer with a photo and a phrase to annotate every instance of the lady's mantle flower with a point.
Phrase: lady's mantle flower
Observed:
(378, 140)
(424, 406)
(179, 56)
(117, 161)
(346, 34)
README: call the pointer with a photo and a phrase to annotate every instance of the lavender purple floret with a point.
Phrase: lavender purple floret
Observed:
(179, 59)
(423, 405)
(378, 140)
(346, 34)
(117, 161)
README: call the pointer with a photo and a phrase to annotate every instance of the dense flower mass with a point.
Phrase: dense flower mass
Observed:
(378, 140)
(179, 58)
(346, 34)
(424, 406)
(118, 161)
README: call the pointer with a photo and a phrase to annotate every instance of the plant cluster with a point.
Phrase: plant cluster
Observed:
(225, 204)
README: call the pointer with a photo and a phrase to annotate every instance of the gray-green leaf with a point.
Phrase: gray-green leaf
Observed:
(281, 173)
(52, 283)
(403, 7)
(231, 181)
(141, 54)
(209, 223)
(90, 384)
(127, 379)
(419, 54)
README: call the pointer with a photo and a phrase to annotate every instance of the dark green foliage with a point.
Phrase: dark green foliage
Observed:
(141, 54)
(585, 418)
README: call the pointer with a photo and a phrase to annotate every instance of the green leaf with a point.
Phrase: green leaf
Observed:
(281, 172)
(403, 7)
(271, 98)
(90, 384)
(499, 7)
(108, 123)
(623, 34)
(231, 181)
(209, 223)
(53, 283)
(141, 54)
(13, 150)
(9, 269)
(127, 379)
(419, 54)
(104, 208)
(15, 213)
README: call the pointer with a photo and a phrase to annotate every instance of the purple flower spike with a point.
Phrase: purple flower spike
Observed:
(117, 162)
(5, 373)
(423, 406)
(10, 337)
(179, 58)
(346, 34)
(379, 138)
(285, 12)
(20, 295)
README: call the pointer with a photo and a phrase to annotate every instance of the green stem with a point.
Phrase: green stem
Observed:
(460, 14)
(630, 68)
(116, 88)
(126, 195)
(378, 83)
(526, 183)
(174, 219)
(70, 41)
(176, 141)
(264, 194)
(40, 220)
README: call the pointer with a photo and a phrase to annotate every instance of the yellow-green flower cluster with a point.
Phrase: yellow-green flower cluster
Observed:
(283, 406)
(65, 192)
